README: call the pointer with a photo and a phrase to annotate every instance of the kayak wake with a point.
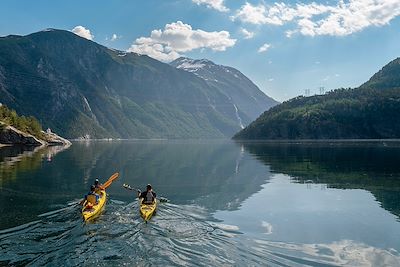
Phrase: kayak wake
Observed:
(176, 235)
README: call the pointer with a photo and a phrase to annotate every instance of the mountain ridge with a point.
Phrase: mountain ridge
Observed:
(387, 77)
(77, 87)
(239, 89)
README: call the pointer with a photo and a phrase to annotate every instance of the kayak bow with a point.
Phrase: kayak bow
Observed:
(147, 210)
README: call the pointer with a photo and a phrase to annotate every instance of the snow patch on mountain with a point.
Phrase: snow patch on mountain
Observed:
(190, 66)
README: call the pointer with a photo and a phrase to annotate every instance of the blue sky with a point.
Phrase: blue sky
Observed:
(306, 45)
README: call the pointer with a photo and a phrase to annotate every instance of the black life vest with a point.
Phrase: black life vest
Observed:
(149, 197)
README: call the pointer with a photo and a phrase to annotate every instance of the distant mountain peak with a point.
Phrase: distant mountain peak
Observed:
(202, 60)
(386, 78)
(247, 100)
(48, 30)
(191, 65)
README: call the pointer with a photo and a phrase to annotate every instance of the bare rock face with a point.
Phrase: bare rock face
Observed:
(246, 100)
(55, 140)
(11, 135)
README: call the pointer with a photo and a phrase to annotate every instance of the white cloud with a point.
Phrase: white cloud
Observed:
(178, 37)
(247, 34)
(277, 14)
(252, 14)
(83, 32)
(344, 18)
(264, 48)
(114, 37)
(215, 4)
(290, 33)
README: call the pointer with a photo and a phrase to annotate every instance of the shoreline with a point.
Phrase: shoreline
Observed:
(13, 136)
(315, 140)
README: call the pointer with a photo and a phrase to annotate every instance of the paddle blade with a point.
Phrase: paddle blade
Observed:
(127, 186)
(163, 199)
(110, 180)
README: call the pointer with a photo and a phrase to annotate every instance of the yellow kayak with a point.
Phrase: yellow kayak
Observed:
(147, 210)
(91, 211)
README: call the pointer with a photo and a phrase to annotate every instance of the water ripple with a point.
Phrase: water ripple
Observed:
(177, 235)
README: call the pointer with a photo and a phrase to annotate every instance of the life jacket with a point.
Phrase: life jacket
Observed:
(149, 198)
(92, 199)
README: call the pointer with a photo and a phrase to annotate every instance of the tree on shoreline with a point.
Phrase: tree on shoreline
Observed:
(26, 124)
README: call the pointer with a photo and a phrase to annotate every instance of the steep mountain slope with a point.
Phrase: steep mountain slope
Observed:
(246, 98)
(371, 111)
(387, 77)
(78, 87)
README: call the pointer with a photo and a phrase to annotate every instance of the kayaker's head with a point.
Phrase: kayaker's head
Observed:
(148, 187)
(92, 188)
(96, 182)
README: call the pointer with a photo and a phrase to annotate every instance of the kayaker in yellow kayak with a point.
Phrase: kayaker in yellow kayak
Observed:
(91, 197)
(98, 186)
(148, 196)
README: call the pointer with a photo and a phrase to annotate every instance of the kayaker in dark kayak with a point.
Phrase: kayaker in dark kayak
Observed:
(148, 196)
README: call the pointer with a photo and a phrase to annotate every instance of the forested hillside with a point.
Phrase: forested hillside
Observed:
(26, 124)
(341, 114)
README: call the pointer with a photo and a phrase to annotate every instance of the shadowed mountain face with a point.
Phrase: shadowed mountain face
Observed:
(247, 99)
(78, 87)
(372, 166)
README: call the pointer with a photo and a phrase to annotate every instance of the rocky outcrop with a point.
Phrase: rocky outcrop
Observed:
(55, 140)
(12, 136)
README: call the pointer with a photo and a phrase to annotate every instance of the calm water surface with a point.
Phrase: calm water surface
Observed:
(230, 204)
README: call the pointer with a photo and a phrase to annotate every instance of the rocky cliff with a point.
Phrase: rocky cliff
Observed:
(11, 136)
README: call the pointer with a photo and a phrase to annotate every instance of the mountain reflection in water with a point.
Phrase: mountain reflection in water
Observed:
(231, 204)
(373, 166)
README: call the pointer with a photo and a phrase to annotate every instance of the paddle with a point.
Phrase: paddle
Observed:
(127, 186)
(110, 180)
